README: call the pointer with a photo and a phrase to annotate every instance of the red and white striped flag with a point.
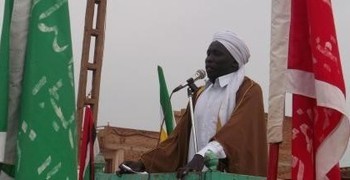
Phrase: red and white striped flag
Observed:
(320, 118)
(87, 150)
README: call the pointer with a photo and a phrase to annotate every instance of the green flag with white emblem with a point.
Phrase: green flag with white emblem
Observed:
(43, 105)
(46, 139)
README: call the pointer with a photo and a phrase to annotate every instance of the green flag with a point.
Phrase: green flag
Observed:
(167, 111)
(7, 145)
(43, 105)
(4, 57)
(47, 131)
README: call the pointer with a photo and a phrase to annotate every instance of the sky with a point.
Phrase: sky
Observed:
(175, 34)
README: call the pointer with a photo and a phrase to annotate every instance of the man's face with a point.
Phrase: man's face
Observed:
(219, 61)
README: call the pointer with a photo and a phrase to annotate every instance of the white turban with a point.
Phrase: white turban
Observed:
(234, 45)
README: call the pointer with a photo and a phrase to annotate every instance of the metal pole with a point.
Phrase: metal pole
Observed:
(190, 95)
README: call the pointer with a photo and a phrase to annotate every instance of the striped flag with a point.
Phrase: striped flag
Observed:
(41, 99)
(314, 76)
(88, 146)
(167, 115)
(320, 119)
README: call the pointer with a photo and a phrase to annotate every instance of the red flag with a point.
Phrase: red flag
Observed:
(86, 159)
(320, 119)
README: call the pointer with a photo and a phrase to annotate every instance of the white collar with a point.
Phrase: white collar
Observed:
(222, 81)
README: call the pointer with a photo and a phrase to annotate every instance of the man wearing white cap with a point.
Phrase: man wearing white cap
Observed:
(229, 119)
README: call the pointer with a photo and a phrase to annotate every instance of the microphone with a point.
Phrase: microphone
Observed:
(200, 74)
(128, 169)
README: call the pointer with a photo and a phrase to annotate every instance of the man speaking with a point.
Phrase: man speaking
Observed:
(229, 119)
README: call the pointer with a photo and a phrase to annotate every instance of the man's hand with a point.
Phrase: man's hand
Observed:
(196, 164)
(128, 167)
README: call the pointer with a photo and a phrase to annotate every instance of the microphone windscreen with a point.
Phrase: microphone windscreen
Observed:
(200, 74)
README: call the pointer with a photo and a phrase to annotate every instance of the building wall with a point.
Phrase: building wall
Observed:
(119, 144)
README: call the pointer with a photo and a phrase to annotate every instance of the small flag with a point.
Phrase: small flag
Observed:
(167, 116)
(88, 147)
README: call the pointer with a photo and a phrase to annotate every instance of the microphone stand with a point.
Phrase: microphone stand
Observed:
(190, 91)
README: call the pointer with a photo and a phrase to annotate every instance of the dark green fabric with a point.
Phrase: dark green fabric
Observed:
(4, 65)
(8, 169)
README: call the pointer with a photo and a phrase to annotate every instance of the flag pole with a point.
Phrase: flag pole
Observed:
(160, 131)
(190, 90)
(273, 161)
(280, 23)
